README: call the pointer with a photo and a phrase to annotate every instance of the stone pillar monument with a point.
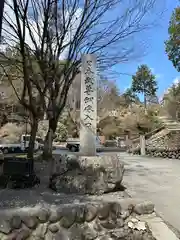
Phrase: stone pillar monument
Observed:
(105, 172)
(88, 113)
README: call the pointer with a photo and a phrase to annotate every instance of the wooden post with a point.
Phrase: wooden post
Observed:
(143, 145)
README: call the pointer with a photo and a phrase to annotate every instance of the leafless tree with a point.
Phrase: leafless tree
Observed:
(1, 14)
(53, 34)
(21, 72)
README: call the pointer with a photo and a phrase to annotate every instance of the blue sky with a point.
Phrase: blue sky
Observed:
(156, 58)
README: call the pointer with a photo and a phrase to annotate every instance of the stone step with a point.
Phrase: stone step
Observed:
(173, 127)
(160, 134)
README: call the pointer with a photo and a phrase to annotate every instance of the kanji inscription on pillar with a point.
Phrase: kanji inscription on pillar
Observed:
(88, 112)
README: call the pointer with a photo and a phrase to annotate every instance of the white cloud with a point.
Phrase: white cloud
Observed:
(176, 80)
(158, 75)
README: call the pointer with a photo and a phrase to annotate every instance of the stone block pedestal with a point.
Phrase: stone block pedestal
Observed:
(87, 175)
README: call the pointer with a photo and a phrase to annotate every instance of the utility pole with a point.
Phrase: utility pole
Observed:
(1, 16)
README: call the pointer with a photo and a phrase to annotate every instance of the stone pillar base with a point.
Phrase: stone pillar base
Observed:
(88, 175)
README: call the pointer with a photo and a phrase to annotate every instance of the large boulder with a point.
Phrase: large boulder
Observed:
(87, 175)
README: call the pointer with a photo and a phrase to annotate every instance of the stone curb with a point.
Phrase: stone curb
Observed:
(159, 229)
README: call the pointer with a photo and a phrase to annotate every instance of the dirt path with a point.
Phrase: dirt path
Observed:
(157, 180)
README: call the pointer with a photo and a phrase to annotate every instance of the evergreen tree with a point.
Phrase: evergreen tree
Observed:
(152, 99)
(144, 82)
(173, 43)
(130, 97)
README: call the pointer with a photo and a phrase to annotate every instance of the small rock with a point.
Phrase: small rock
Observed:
(40, 231)
(5, 226)
(11, 236)
(75, 231)
(103, 211)
(134, 220)
(80, 214)
(109, 223)
(30, 221)
(61, 235)
(120, 222)
(2, 236)
(55, 216)
(49, 236)
(15, 222)
(137, 225)
(43, 215)
(144, 208)
(68, 218)
(23, 234)
(97, 226)
(130, 224)
(88, 233)
(147, 236)
(137, 235)
(130, 208)
(119, 234)
(54, 227)
(126, 227)
(90, 212)
(125, 215)
(110, 186)
(115, 208)
(105, 238)
(140, 226)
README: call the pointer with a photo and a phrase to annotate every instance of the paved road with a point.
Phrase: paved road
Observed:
(157, 180)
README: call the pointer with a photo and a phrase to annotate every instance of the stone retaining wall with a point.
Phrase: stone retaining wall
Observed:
(164, 153)
(164, 144)
(85, 221)
(168, 140)
(149, 136)
(160, 152)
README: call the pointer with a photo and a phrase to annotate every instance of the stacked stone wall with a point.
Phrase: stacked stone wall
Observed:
(87, 221)
(165, 143)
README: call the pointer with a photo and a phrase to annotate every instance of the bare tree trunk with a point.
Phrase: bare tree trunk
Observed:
(47, 152)
(145, 101)
(34, 128)
(1, 15)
